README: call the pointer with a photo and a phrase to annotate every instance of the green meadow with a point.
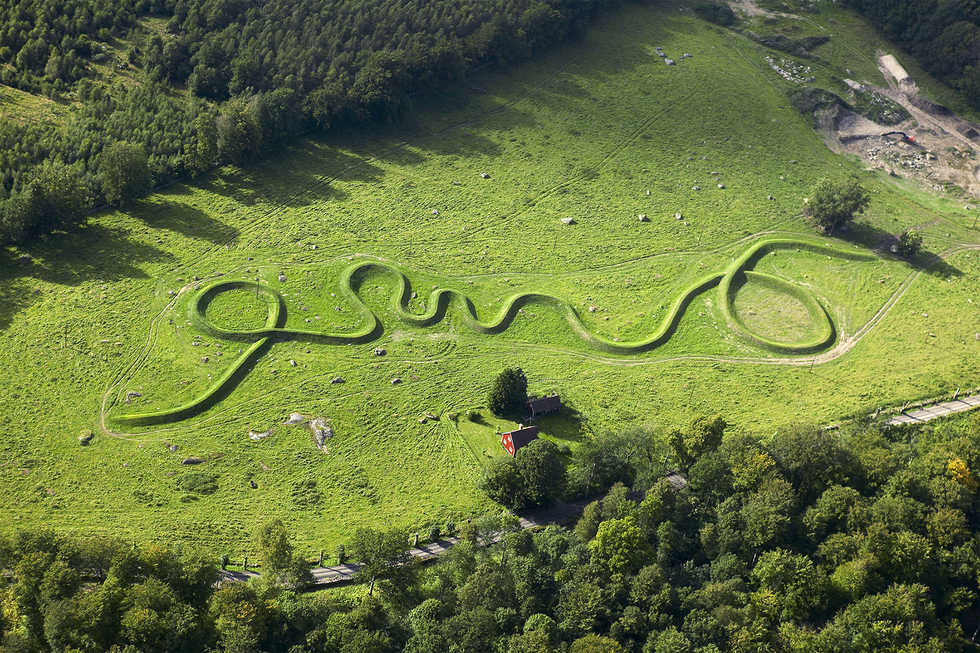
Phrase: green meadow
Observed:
(220, 306)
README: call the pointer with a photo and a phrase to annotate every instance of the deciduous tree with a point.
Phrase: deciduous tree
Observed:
(508, 395)
(125, 172)
(833, 203)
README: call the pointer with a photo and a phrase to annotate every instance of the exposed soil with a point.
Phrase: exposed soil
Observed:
(946, 151)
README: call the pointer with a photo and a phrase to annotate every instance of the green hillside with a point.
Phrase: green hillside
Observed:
(737, 306)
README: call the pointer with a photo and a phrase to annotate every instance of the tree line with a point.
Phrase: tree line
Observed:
(807, 541)
(256, 74)
(942, 35)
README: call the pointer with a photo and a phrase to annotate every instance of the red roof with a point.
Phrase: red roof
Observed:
(514, 440)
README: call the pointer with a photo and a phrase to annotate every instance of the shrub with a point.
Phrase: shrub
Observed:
(197, 483)
(715, 12)
(909, 244)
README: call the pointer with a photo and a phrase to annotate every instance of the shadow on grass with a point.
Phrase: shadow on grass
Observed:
(163, 212)
(84, 253)
(567, 424)
(871, 237)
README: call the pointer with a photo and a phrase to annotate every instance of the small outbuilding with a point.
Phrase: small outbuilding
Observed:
(544, 406)
(521, 437)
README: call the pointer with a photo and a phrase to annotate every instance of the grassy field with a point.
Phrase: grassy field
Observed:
(102, 323)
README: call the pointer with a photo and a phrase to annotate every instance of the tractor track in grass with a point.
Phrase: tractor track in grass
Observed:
(844, 345)
(282, 206)
(276, 209)
(440, 300)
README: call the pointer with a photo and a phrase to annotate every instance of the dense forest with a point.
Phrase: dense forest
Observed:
(815, 541)
(208, 81)
(943, 36)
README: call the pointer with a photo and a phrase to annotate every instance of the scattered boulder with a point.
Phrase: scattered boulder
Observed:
(173, 448)
(255, 435)
(721, 185)
(669, 62)
(282, 277)
(380, 351)
(253, 485)
(132, 394)
(171, 293)
(85, 437)
(422, 420)
(648, 192)
(434, 418)
(697, 188)
(567, 221)
(321, 431)
(435, 212)
(484, 175)
(395, 381)
(593, 309)
(204, 359)
(337, 379)
(193, 460)
(291, 362)
(678, 216)
(661, 54)
(414, 294)
(686, 55)
(770, 197)
(294, 419)
(643, 217)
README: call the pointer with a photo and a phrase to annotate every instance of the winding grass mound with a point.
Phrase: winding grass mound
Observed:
(375, 283)
(212, 299)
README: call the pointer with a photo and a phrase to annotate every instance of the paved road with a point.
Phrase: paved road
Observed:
(940, 410)
(558, 513)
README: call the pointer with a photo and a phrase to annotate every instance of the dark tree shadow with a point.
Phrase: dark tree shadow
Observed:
(84, 253)
(881, 241)
(163, 212)
(566, 424)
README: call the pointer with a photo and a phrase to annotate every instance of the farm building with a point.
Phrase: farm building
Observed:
(544, 406)
(521, 437)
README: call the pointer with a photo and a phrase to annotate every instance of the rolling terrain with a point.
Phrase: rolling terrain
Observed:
(500, 226)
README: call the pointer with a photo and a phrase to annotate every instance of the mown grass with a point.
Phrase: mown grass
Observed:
(584, 133)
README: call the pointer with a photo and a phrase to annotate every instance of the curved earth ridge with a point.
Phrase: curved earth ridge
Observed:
(728, 282)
